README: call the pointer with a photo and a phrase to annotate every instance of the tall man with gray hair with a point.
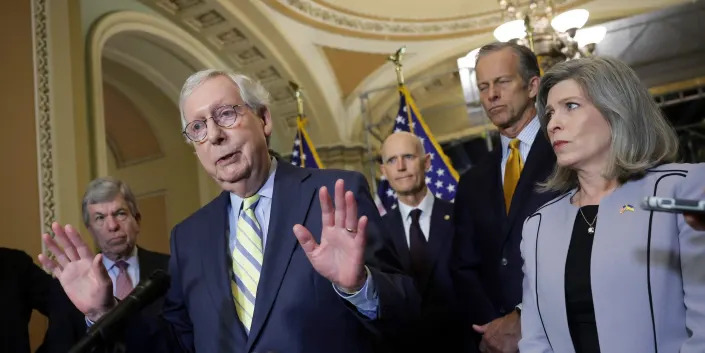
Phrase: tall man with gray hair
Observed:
(270, 265)
(495, 197)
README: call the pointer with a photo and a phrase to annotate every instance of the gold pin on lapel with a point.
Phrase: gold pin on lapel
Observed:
(446, 217)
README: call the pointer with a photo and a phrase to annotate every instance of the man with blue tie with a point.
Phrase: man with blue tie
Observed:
(240, 281)
(421, 229)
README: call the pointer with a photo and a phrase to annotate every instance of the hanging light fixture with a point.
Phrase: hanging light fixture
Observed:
(510, 30)
(570, 20)
(552, 38)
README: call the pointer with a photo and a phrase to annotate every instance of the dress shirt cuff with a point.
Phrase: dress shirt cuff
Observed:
(518, 308)
(90, 323)
(365, 300)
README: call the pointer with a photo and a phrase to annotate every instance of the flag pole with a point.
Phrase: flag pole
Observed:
(299, 119)
(396, 59)
(299, 98)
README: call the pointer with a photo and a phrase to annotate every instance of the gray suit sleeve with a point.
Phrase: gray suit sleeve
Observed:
(692, 256)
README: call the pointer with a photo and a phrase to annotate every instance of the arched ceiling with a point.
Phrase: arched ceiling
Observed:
(335, 49)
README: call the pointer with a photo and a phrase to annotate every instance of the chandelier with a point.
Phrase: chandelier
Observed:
(552, 38)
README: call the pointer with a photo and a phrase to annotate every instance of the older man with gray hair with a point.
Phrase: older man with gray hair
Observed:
(111, 215)
(270, 265)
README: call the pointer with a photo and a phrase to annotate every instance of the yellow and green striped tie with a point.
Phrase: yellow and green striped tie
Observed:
(247, 261)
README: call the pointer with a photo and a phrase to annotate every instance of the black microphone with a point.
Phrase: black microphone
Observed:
(105, 328)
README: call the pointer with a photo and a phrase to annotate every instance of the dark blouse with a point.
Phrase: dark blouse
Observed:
(578, 292)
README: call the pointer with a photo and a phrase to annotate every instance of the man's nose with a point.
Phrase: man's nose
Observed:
(214, 132)
(112, 223)
(495, 92)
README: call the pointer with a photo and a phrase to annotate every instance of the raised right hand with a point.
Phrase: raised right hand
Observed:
(695, 220)
(81, 274)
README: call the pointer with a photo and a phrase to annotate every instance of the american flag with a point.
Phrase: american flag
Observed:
(441, 178)
(304, 153)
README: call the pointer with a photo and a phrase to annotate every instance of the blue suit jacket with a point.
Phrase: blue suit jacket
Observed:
(296, 309)
(438, 328)
(486, 261)
(143, 333)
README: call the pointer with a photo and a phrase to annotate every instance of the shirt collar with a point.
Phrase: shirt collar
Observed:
(526, 135)
(265, 191)
(131, 260)
(426, 206)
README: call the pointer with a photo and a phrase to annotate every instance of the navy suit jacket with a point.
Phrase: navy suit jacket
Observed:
(486, 262)
(149, 262)
(296, 309)
(438, 328)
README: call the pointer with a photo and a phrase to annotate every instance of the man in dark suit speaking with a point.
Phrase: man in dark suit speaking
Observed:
(421, 229)
(240, 281)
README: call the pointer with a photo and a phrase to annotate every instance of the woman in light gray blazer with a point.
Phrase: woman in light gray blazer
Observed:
(600, 273)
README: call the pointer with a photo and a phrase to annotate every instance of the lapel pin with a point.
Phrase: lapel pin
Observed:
(626, 208)
(446, 217)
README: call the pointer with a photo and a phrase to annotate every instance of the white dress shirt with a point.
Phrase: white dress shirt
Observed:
(426, 207)
(263, 209)
(526, 136)
(133, 270)
(366, 299)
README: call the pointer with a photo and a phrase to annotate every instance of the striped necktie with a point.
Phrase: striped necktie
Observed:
(247, 261)
(512, 171)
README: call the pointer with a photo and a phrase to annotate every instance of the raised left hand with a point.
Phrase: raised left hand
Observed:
(500, 335)
(340, 255)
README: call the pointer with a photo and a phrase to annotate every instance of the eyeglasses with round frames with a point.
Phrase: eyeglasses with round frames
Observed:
(223, 116)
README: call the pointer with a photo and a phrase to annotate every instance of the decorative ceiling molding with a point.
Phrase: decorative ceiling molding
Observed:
(338, 8)
(217, 28)
(321, 15)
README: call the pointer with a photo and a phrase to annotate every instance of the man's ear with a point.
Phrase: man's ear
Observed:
(533, 86)
(427, 162)
(266, 117)
(138, 218)
(381, 169)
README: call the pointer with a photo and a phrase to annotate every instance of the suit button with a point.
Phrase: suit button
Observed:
(504, 261)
